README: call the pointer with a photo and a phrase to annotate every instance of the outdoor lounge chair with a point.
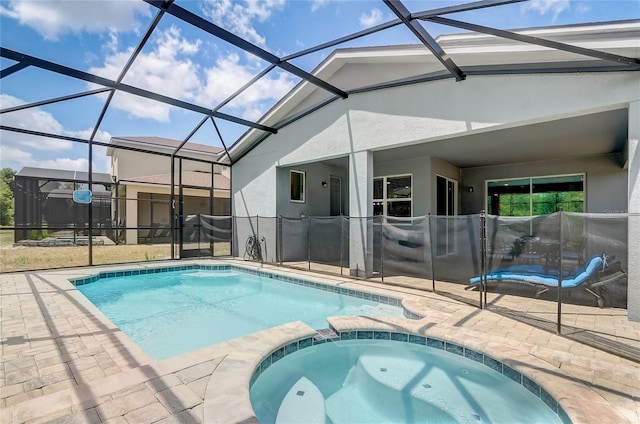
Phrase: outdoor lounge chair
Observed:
(595, 275)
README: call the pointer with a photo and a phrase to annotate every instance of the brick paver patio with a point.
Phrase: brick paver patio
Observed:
(63, 361)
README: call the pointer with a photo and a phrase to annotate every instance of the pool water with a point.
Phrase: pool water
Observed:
(171, 313)
(384, 381)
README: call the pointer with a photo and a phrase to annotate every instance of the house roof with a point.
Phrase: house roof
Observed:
(370, 68)
(166, 145)
(189, 178)
(63, 175)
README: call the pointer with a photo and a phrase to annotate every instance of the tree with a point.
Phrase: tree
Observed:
(6, 196)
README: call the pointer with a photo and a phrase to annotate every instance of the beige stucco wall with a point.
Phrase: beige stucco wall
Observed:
(127, 164)
(422, 113)
(134, 208)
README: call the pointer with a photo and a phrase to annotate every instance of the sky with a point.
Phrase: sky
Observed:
(190, 65)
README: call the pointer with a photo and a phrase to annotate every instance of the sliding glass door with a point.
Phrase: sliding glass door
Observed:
(446, 207)
(535, 195)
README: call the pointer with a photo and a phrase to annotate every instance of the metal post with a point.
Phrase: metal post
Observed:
(433, 269)
(197, 227)
(172, 207)
(341, 244)
(212, 197)
(90, 178)
(309, 242)
(559, 329)
(75, 219)
(484, 256)
(180, 209)
(117, 213)
(279, 239)
(257, 238)
(381, 247)
(234, 236)
(482, 260)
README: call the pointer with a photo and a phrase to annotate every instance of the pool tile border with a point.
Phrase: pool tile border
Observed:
(429, 342)
(361, 294)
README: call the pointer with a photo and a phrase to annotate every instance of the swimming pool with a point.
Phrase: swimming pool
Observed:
(169, 312)
(383, 381)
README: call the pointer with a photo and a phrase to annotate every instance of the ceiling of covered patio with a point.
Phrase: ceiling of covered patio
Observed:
(578, 136)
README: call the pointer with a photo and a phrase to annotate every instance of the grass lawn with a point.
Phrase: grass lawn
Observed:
(23, 258)
(6, 238)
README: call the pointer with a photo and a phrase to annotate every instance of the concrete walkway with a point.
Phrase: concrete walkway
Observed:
(63, 361)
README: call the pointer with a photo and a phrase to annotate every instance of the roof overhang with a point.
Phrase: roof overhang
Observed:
(147, 144)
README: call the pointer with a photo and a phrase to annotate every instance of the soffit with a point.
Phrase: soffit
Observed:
(585, 135)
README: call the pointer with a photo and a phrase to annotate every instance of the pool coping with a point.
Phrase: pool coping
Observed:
(429, 342)
(409, 309)
(571, 400)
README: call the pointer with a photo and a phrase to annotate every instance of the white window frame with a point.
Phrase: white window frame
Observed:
(304, 185)
(385, 200)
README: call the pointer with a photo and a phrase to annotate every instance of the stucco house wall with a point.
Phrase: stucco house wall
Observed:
(369, 123)
(420, 170)
(400, 116)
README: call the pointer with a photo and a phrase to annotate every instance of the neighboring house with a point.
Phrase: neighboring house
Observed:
(144, 180)
(43, 199)
(524, 116)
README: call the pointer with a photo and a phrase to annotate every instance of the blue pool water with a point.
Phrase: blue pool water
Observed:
(171, 313)
(384, 381)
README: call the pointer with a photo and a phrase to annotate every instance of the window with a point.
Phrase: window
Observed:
(536, 195)
(392, 196)
(297, 186)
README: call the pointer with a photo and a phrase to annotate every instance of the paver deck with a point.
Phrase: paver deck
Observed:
(63, 361)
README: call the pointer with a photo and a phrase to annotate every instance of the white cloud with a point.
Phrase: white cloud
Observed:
(16, 158)
(583, 8)
(167, 70)
(555, 7)
(317, 4)
(253, 113)
(52, 18)
(239, 16)
(112, 45)
(103, 136)
(373, 18)
(228, 75)
(34, 119)
(19, 150)
(68, 164)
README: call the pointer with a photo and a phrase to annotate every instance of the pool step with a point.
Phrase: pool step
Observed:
(304, 403)
(378, 389)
